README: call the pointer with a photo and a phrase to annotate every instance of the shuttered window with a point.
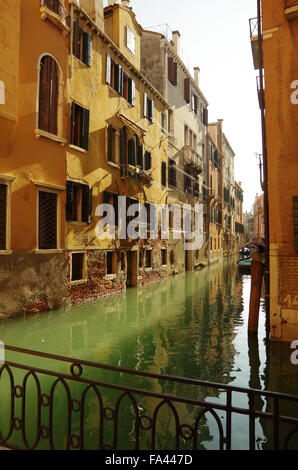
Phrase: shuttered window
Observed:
(48, 95)
(172, 173)
(111, 144)
(148, 161)
(148, 108)
(47, 229)
(187, 90)
(172, 71)
(205, 117)
(130, 40)
(187, 181)
(52, 5)
(132, 151)
(123, 151)
(140, 157)
(80, 118)
(295, 215)
(164, 174)
(3, 216)
(78, 202)
(77, 266)
(82, 45)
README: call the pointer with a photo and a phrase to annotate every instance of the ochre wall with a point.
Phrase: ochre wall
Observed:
(281, 65)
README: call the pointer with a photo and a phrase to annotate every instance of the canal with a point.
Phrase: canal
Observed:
(193, 325)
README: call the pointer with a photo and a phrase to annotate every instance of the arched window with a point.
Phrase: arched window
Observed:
(48, 95)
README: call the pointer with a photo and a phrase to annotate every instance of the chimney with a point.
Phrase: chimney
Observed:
(220, 135)
(125, 3)
(94, 8)
(197, 75)
(176, 41)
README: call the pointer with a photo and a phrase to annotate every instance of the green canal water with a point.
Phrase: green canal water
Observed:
(193, 325)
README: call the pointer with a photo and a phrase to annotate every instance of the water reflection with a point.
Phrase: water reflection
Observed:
(193, 326)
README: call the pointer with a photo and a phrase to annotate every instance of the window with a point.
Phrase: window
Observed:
(211, 152)
(47, 227)
(111, 144)
(148, 161)
(205, 117)
(295, 215)
(3, 216)
(80, 118)
(82, 45)
(120, 81)
(141, 259)
(78, 202)
(187, 90)
(163, 122)
(187, 180)
(112, 200)
(123, 151)
(112, 263)
(170, 122)
(172, 258)
(77, 267)
(48, 95)
(164, 174)
(194, 103)
(186, 136)
(148, 108)
(196, 189)
(164, 257)
(172, 173)
(148, 259)
(123, 261)
(172, 71)
(130, 40)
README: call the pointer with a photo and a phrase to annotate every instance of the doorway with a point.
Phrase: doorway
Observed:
(132, 269)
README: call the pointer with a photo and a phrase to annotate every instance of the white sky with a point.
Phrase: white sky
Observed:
(215, 37)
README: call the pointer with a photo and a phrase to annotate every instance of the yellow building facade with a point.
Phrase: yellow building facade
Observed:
(121, 155)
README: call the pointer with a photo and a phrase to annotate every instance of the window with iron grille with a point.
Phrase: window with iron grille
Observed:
(3, 216)
(77, 266)
(164, 257)
(48, 203)
(148, 258)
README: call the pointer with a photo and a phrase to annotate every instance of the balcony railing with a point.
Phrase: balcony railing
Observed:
(56, 12)
(61, 403)
(136, 174)
(254, 38)
(192, 157)
(291, 9)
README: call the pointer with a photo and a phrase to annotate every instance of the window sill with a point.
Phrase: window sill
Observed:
(49, 252)
(114, 165)
(148, 270)
(6, 252)
(77, 223)
(78, 149)
(40, 133)
(55, 18)
(78, 283)
(80, 62)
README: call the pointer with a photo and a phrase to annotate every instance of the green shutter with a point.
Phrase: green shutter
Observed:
(86, 122)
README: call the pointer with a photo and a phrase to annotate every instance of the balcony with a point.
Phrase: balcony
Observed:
(55, 11)
(193, 158)
(139, 176)
(291, 9)
(261, 101)
(254, 39)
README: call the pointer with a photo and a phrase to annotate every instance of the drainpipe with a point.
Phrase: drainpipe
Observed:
(265, 162)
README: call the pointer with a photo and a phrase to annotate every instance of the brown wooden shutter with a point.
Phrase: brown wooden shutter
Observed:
(53, 127)
(187, 90)
(171, 69)
(3, 212)
(175, 74)
(44, 93)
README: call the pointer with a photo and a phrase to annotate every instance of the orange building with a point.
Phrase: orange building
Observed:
(274, 38)
(33, 72)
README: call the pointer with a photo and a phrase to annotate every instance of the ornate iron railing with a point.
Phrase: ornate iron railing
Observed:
(58, 402)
